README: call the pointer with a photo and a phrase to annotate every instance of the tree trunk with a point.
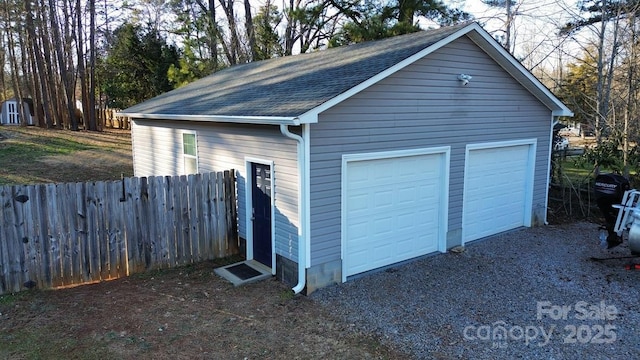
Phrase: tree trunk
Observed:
(213, 35)
(50, 70)
(632, 91)
(212, 31)
(63, 67)
(13, 65)
(82, 74)
(42, 100)
(91, 103)
(251, 34)
(234, 52)
(3, 83)
(599, 116)
(406, 11)
(290, 30)
(507, 43)
(35, 77)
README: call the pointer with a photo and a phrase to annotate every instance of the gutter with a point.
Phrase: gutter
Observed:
(302, 229)
(266, 120)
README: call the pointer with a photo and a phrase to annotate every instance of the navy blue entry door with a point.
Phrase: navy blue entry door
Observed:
(261, 202)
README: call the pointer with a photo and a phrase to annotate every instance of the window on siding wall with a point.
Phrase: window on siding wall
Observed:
(190, 153)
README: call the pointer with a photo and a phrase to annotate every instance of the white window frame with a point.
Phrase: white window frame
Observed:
(189, 156)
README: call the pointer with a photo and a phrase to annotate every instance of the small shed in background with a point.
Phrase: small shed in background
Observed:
(10, 112)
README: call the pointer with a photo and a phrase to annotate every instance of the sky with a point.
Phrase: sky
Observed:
(535, 31)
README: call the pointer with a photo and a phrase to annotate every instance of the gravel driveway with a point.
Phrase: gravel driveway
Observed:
(528, 294)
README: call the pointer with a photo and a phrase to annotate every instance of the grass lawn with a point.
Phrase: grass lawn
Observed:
(582, 175)
(33, 155)
(573, 172)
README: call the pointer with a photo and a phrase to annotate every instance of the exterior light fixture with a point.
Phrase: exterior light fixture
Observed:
(464, 78)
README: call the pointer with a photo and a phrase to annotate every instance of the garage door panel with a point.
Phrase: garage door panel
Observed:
(358, 177)
(404, 199)
(496, 185)
(382, 199)
(359, 202)
(407, 195)
(358, 230)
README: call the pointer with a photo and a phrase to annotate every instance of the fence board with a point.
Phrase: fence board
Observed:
(205, 208)
(156, 212)
(5, 276)
(18, 218)
(147, 236)
(191, 200)
(80, 216)
(182, 227)
(181, 256)
(130, 230)
(53, 245)
(168, 251)
(119, 229)
(92, 253)
(13, 274)
(221, 223)
(72, 239)
(10, 277)
(232, 242)
(199, 218)
(30, 229)
(101, 241)
(67, 234)
(44, 258)
(139, 238)
(169, 215)
(112, 232)
(67, 246)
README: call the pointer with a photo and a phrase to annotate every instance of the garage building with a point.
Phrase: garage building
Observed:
(359, 157)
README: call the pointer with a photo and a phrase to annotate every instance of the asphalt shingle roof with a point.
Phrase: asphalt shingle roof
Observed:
(292, 85)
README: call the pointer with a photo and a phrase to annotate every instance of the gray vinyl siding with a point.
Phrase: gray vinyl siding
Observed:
(156, 150)
(157, 147)
(422, 106)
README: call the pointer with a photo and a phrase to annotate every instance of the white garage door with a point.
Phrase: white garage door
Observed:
(498, 187)
(392, 210)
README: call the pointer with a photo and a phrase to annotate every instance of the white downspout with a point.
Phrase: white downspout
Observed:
(302, 231)
(554, 121)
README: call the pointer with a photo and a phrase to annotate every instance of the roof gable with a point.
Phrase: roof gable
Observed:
(295, 89)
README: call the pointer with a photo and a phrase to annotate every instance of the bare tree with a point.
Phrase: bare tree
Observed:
(91, 100)
(251, 34)
(13, 32)
(311, 23)
(65, 64)
(232, 49)
(41, 92)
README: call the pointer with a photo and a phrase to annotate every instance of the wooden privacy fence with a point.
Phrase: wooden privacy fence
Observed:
(108, 119)
(56, 235)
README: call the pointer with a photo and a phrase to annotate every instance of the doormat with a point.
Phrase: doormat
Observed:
(243, 271)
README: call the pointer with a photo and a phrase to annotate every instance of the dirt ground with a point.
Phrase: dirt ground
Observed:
(185, 313)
